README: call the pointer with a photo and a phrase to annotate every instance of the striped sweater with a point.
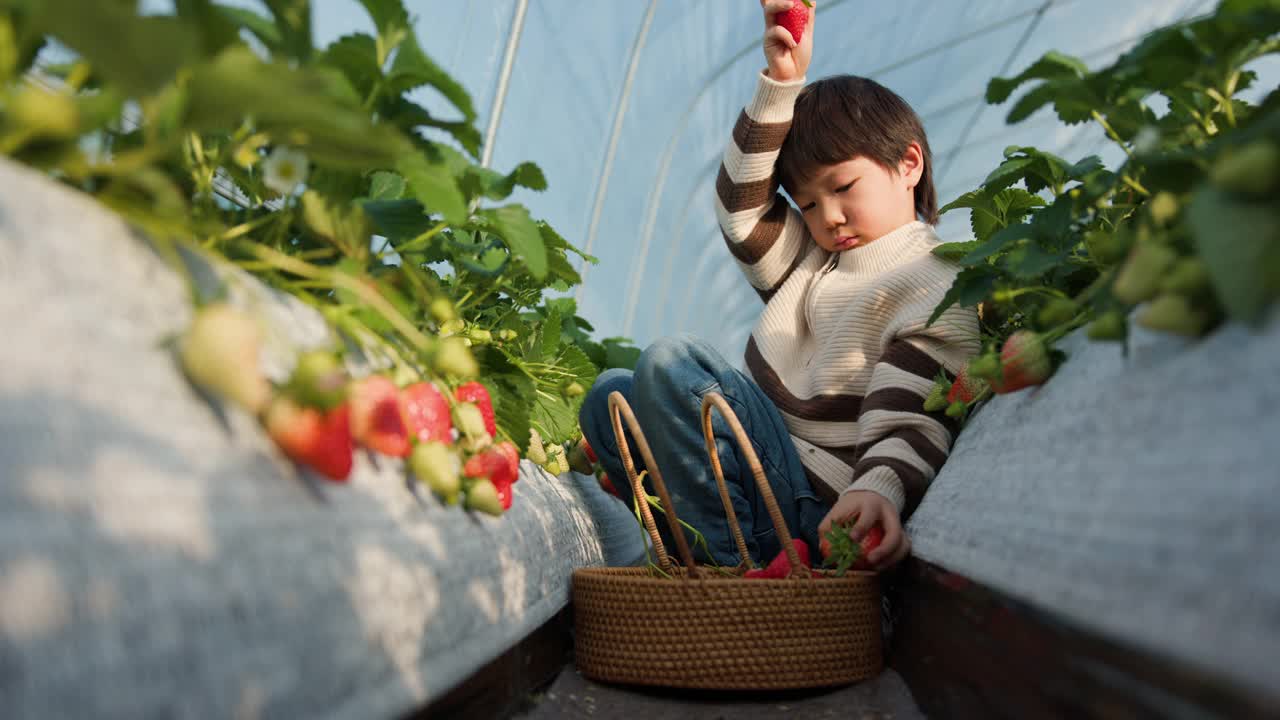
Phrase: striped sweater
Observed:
(841, 347)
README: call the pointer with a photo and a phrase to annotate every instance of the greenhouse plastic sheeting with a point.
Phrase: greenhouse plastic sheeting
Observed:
(627, 105)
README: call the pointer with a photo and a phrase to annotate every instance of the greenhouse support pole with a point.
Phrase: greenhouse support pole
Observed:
(619, 114)
(504, 80)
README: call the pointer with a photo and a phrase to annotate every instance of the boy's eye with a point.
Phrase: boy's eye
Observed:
(807, 208)
(844, 188)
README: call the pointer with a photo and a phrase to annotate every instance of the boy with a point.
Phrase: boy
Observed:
(840, 360)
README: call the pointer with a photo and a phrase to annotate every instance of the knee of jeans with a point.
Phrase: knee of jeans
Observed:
(595, 407)
(668, 360)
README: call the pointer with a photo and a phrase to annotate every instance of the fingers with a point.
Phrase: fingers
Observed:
(776, 6)
(893, 536)
(865, 521)
(778, 36)
(897, 554)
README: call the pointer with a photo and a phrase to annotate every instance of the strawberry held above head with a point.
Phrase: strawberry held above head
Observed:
(318, 439)
(794, 20)
(1024, 361)
(377, 418)
(474, 392)
(427, 412)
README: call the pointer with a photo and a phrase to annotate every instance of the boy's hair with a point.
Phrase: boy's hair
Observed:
(845, 116)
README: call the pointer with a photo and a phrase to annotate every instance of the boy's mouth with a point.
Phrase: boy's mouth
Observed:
(844, 242)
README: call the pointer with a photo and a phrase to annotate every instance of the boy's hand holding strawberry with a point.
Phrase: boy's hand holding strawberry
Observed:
(788, 59)
(873, 512)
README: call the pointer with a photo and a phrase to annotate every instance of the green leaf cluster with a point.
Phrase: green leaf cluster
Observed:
(1186, 227)
(192, 124)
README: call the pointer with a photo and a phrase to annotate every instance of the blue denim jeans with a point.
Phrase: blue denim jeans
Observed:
(665, 392)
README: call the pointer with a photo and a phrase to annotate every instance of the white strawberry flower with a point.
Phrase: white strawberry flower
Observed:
(285, 169)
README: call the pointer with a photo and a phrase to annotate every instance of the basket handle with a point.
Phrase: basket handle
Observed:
(619, 409)
(715, 401)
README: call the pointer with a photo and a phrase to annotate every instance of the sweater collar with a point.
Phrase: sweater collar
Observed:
(890, 250)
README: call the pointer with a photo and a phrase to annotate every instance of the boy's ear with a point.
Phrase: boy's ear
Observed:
(911, 167)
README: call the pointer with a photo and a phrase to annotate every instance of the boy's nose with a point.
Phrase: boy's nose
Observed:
(834, 216)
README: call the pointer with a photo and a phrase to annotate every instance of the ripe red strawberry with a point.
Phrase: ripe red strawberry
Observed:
(794, 20)
(500, 463)
(474, 392)
(1024, 360)
(427, 413)
(591, 454)
(780, 566)
(320, 440)
(579, 460)
(965, 389)
(607, 484)
(856, 558)
(869, 542)
(377, 419)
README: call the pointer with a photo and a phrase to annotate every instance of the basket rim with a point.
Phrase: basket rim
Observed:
(632, 574)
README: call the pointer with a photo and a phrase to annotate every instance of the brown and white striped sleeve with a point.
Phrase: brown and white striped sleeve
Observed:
(766, 235)
(902, 447)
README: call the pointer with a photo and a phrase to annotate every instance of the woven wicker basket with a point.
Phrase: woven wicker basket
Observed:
(703, 629)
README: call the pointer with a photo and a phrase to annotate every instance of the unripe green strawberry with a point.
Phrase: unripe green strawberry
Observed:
(557, 462)
(453, 358)
(1189, 275)
(985, 367)
(451, 327)
(1139, 278)
(468, 420)
(1108, 326)
(507, 334)
(1056, 312)
(956, 409)
(480, 336)
(1250, 170)
(319, 380)
(482, 496)
(574, 389)
(475, 392)
(442, 310)
(220, 354)
(44, 113)
(438, 468)
(1173, 314)
(937, 399)
(1108, 247)
(1163, 207)
(536, 452)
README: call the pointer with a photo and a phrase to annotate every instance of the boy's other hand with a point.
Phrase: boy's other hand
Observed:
(788, 60)
(870, 509)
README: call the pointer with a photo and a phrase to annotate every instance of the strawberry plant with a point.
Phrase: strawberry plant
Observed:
(227, 132)
(1186, 227)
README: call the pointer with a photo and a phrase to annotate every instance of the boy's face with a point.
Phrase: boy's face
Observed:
(856, 202)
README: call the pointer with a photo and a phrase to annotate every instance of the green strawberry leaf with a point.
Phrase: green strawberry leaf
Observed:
(971, 286)
(513, 224)
(432, 183)
(412, 68)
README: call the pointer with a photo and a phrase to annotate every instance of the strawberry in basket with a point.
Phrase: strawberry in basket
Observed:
(780, 566)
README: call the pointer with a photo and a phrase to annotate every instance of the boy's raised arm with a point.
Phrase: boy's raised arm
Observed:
(765, 234)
